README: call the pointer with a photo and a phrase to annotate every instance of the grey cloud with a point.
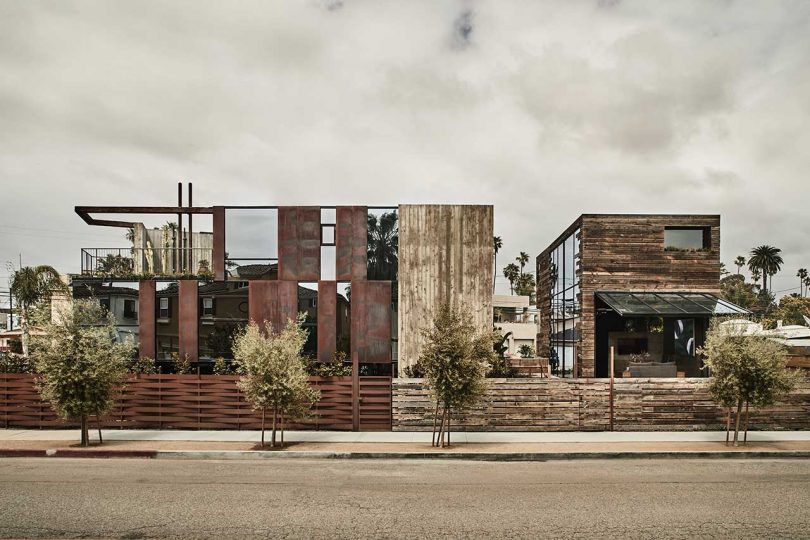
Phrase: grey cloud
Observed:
(545, 109)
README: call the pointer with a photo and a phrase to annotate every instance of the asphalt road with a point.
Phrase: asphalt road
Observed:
(94, 498)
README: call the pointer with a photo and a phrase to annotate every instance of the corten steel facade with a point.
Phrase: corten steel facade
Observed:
(443, 253)
(600, 254)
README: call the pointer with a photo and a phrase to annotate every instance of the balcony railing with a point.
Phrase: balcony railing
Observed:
(127, 262)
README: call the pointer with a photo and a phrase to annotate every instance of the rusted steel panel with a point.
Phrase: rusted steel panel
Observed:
(188, 314)
(146, 319)
(351, 239)
(327, 320)
(371, 321)
(219, 243)
(272, 301)
(299, 243)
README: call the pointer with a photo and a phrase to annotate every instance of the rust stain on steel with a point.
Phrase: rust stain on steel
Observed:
(146, 319)
(272, 301)
(351, 240)
(188, 315)
(327, 320)
(219, 243)
(299, 243)
(371, 321)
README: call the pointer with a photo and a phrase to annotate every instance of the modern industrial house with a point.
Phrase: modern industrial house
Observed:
(367, 278)
(643, 285)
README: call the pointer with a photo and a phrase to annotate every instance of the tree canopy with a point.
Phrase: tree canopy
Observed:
(455, 359)
(273, 372)
(81, 362)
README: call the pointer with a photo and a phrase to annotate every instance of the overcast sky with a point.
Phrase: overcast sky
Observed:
(545, 109)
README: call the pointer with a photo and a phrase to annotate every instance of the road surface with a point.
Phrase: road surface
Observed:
(130, 498)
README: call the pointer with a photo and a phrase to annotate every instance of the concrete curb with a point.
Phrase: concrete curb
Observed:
(464, 456)
(478, 456)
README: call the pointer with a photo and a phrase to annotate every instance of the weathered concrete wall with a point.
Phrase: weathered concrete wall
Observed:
(535, 404)
(445, 255)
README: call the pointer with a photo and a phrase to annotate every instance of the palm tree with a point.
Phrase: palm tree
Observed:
(383, 246)
(806, 285)
(512, 273)
(497, 243)
(768, 260)
(802, 275)
(522, 259)
(739, 262)
(30, 285)
(755, 275)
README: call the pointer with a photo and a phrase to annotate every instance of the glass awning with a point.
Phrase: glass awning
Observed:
(628, 304)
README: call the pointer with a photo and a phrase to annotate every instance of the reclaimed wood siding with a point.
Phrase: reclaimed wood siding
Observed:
(584, 405)
(445, 255)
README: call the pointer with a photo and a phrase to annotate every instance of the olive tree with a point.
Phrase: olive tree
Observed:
(455, 359)
(273, 372)
(748, 370)
(81, 362)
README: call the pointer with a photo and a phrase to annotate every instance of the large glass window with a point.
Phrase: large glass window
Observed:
(688, 239)
(166, 324)
(383, 244)
(308, 305)
(223, 313)
(565, 305)
(251, 243)
(120, 298)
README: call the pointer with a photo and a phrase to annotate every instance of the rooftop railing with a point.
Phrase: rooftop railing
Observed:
(143, 262)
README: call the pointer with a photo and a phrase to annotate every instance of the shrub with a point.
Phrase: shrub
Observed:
(81, 362)
(526, 351)
(15, 363)
(273, 373)
(414, 371)
(222, 367)
(455, 359)
(142, 366)
(336, 368)
(746, 369)
(182, 364)
(500, 367)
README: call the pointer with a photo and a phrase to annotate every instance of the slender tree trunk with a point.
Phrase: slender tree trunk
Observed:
(495, 274)
(444, 423)
(439, 435)
(728, 424)
(26, 335)
(85, 434)
(737, 423)
(282, 429)
(745, 431)
(435, 420)
(273, 433)
(264, 410)
(98, 424)
(449, 422)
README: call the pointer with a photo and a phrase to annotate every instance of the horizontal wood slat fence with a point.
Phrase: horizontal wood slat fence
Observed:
(534, 404)
(200, 402)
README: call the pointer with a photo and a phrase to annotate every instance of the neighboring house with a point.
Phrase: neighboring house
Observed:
(121, 301)
(11, 340)
(515, 317)
(795, 337)
(643, 285)
(342, 266)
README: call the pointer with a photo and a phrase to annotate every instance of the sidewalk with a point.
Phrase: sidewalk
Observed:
(503, 446)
